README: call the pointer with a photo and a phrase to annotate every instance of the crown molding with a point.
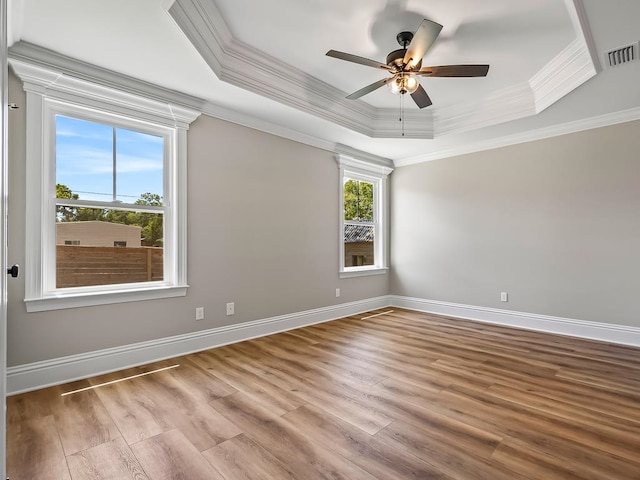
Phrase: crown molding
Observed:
(578, 15)
(251, 121)
(63, 87)
(567, 71)
(247, 67)
(414, 124)
(508, 104)
(49, 60)
(345, 155)
(599, 121)
(240, 65)
(43, 70)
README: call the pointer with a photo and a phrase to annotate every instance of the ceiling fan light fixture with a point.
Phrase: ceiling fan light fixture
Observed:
(404, 83)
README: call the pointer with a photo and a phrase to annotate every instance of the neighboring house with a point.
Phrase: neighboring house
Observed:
(98, 234)
(358, 245)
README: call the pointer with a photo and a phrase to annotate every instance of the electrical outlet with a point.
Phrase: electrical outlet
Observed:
(504, 297)
(200, 313)
(337, 292)
(231, 308)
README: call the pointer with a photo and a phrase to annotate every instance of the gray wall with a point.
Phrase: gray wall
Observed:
(555, 223)
(263, 233)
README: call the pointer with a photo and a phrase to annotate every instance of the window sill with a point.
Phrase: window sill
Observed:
(90, 299)
(363, 272)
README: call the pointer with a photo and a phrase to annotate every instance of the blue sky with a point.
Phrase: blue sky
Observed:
(84, 160)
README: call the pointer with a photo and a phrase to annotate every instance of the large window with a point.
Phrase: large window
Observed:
(363, 229)
(109, 194)
(106, 194)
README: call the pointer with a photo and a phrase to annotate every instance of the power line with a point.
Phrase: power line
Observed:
(104, 194)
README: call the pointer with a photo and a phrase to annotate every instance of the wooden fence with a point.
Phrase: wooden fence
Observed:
(79, 266)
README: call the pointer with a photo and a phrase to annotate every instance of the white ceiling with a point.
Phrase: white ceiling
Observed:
(545, 79)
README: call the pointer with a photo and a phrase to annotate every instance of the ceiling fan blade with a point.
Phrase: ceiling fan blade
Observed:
(356, 59)
(422, 41)
(455, 71)
(369, 88)
(421, 98)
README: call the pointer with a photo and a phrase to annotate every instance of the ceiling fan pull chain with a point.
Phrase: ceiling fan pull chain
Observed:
(402, 113)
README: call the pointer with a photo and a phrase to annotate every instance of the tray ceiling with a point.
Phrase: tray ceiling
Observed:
(263, 64)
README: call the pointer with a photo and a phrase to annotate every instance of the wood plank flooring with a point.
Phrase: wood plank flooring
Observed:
(402, 395)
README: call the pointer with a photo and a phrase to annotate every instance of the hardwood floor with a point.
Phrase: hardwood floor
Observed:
(402, 395)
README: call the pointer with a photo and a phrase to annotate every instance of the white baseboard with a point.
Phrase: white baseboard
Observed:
(605, 332)
(24, 378)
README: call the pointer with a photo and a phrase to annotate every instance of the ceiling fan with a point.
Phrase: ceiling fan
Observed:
(405, 65)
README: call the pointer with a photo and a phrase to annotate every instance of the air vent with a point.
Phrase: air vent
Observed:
(623, 55)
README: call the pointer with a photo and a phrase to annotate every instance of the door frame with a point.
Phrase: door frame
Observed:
(3, 230)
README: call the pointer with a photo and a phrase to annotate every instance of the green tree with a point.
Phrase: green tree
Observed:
(358, 201)
(65, 214)
(75, 214)
(151, 223)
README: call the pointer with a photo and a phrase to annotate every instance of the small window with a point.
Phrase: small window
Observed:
(363, 218)
(119, 243)
(72, 242)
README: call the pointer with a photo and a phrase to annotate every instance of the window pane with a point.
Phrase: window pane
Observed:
(84, 159)
(114, 247)
(86, 168)
(358, 245)
(138, 165)
(358, 200)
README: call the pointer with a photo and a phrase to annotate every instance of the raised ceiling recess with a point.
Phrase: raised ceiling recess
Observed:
(248, 53)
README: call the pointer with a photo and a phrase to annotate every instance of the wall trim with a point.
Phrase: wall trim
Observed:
(599, 121)
(46, 59)
(33, 376)
(620, 334)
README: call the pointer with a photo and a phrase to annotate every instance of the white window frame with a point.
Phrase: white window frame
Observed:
(377, 175)
(50, 93)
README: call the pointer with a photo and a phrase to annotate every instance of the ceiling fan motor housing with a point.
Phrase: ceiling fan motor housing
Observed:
(396, 59)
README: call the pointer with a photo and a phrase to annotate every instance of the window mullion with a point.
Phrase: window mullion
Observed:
(113, 154)
(130, 207)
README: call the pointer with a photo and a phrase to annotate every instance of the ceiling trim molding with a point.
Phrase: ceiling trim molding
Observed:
(567, 71)
(240, 65)
(345, 155)
(247, 67)
(412, 124)
(53, 61)
(578, 15)
(508, 104)
(61, 87)
(251, 121)
(265, 126)
(599, 121)
(44, 68)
